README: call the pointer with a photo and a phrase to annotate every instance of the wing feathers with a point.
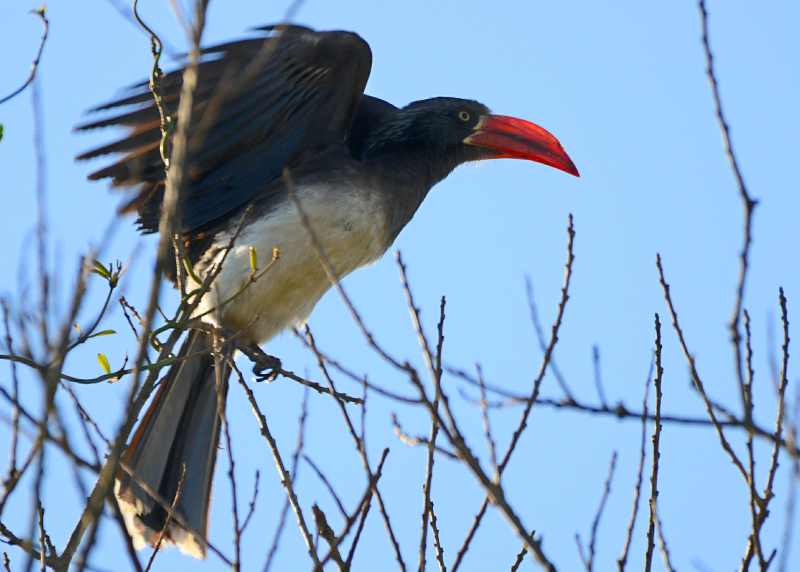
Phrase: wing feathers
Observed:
(260, 103)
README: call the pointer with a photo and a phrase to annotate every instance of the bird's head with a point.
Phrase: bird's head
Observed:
(465, 130)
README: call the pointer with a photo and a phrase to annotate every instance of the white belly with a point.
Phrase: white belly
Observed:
(351, 227)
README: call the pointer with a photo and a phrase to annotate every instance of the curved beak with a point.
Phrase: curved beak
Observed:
(510, 137)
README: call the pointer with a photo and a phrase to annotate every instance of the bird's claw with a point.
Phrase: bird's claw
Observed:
(267, 368)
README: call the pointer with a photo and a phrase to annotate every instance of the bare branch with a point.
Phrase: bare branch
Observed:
(327, 484)
(126, 537)
(35, 64)
(359, 447)
(622, 411)
(698, 383)
(252, 505)
(662, 544)
(437, 542)
(656, 451)
(326, 532)
(598, 378)
(791, 499)
(537, 326)
(622, 561)
(487, 426)
(319, 388)
(534, 395)
(418, 440)
(435, 368)
(286, 479)
(298, 451)
(166, 120)
(362, 508)
(748, 203)
(168, 520)
(520, 556)
(600, 508)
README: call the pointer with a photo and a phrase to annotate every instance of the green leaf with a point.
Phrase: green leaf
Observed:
(103, 360)
(187, 264)
(102, 333)
(253, 259)
(113, 279)
(98, 268)
(1, 131)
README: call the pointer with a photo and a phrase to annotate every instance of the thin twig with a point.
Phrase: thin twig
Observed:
(656, 451)
(326, 532)
(598, 379)
(286, 479)
(47, 435)
(362, 508)
(791, 498)
(622, 561)
(85, 421)
(327, 484)
(361, 450)
(82, 562)
(449, 426)
(221, 388)
(487, 426)
(599, 514)
(435, 368)
(168, 519)
(662, 544)
(537, 326)
(768, 493)
(360, 379)
(365, 512)
(166, 121)
(748, 203)
(298, 451)
(40, 12)
(252, 505)
(319, 388)
(622, 411)
(520, 556)
(698, 383)
(437, 542)
(417, 440)
(754, 540)
(44, 541)
(12, 457)
(759, 504)
(123, 530)
(532, 399)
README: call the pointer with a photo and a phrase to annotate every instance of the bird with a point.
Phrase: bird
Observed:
(285, 147)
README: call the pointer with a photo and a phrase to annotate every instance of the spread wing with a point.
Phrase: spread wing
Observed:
(260, 105)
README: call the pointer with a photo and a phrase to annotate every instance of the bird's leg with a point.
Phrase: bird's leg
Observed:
(265, 366)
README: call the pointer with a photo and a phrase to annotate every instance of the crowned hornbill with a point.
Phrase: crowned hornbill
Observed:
(289, 99)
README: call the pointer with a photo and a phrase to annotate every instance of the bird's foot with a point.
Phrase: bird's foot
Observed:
(265, 367)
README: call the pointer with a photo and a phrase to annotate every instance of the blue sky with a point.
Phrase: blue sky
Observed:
(623, 86)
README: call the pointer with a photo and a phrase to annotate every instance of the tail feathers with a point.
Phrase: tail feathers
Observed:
(177, 436)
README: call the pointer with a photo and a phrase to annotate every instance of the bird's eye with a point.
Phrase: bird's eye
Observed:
(463, 115)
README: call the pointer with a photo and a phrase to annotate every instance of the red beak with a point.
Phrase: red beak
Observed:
(509, 137)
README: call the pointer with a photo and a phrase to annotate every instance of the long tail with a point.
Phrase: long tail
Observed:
(178, 435)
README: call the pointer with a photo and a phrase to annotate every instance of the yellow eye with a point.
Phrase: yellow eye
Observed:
(463, 115)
